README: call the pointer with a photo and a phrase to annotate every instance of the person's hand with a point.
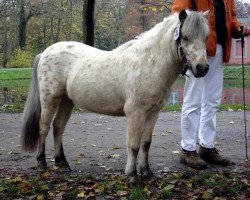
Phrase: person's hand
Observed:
(246, 30)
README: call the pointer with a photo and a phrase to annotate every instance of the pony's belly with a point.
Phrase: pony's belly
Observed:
(98, 100)
(106, 108)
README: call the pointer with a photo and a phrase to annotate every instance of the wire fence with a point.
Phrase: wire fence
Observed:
(13, 93)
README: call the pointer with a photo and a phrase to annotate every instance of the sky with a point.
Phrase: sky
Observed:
(245, 1)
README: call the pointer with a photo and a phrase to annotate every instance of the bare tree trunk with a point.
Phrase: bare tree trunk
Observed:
(44, 26)
(143, 17)
(22, 25)
(69, 19)
(88, 22)
(5, 44)
(13, 32)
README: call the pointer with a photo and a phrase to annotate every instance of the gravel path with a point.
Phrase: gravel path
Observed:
(97, 144)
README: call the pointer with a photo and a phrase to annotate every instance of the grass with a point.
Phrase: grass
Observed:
(223, 107)
(17, 81)
(19, 73)
(236, 72)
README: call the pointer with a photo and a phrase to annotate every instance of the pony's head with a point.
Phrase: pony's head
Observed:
(191, 35)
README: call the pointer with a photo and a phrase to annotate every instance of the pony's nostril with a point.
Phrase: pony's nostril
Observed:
(202, 69)
(199, 67)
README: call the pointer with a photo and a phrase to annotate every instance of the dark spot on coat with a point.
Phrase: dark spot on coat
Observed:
(70, 46)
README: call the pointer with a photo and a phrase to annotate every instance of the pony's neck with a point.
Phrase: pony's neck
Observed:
(159, 43)
(156, 48)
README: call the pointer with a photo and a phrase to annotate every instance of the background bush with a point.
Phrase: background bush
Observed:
(21, 59)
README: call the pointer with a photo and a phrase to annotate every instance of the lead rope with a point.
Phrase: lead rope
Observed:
(243, 85)
(185, 61)
(177, 37)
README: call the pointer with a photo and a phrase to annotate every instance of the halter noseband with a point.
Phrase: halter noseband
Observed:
(178, 37)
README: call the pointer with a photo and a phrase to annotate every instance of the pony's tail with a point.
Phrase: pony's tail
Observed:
(32, 113)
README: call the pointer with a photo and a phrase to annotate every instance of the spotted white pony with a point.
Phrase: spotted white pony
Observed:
(132, 80)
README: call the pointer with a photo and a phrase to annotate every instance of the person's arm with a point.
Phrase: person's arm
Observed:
(179, 5)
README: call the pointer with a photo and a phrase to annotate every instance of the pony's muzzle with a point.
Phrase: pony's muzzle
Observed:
(201, 70)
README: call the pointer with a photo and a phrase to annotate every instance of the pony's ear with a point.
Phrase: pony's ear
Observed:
(182, 16)
(206, 14)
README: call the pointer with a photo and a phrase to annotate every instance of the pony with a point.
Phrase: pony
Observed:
(133, 80)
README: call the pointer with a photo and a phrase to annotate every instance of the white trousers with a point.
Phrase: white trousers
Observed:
(202, 97)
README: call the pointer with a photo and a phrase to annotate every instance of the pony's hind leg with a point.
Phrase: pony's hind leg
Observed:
(47, 113)
(143, 164)
(63, 114)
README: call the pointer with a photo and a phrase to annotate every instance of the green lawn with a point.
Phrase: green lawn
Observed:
(21, 73)
(230, 73)
(17, 81)
(13, 78)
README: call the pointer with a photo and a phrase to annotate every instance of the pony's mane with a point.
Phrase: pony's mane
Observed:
(147, 38)
(194, 22)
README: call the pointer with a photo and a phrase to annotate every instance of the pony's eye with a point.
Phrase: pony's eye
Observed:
(185, 38)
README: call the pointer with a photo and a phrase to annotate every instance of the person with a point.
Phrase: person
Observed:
(202, 96)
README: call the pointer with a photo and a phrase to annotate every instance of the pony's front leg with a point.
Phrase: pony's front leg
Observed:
(144, 168)
(135, 123)
(63, 114)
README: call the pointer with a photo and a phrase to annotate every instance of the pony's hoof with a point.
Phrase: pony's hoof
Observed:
(147, 174)
(63, 166)
(134, 182)
(42, 166)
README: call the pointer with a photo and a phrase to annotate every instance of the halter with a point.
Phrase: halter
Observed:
(178, 37)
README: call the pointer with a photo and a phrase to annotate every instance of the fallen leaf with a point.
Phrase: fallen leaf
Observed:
(168, 188)
(109, 168)
(170, 131)
(55, 167)
(206, 195)
(115, 147)
(78, 162)
(115, 155)
(51, 194)
(81, 195)
(40, 197)
(45, 187)
(17, 179)
(122, 193)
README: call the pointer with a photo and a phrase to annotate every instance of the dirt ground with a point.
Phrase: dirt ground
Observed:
(97, 144)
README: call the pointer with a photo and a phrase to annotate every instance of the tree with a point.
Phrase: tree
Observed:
(109, 27)
(26, 9)
(242, 9)
(143, 14)
(88, 22)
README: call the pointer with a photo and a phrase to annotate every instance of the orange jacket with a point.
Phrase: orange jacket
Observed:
(231, 22)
